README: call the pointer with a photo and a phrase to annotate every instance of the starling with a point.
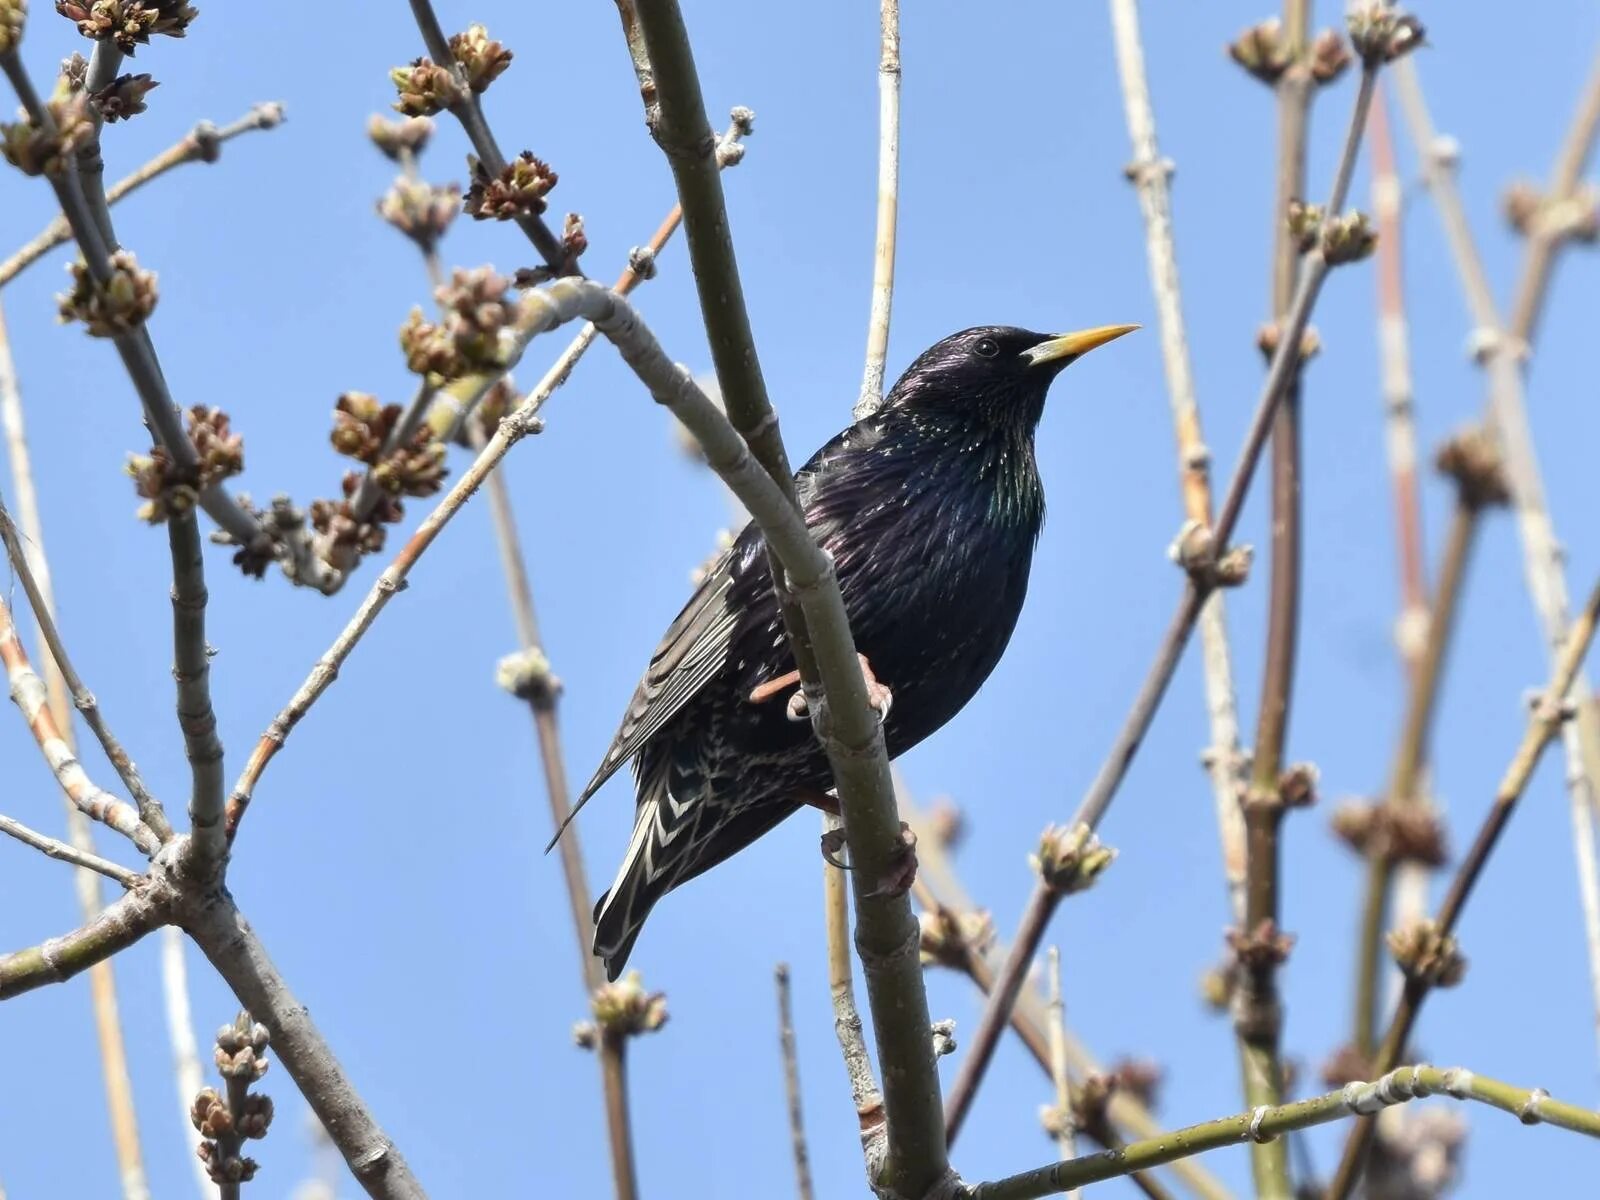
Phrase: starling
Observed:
(931, 508)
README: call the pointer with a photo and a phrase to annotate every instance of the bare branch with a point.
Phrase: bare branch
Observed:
(186, 1073)
(1531, 1106)
(1151, 174)
(202, 144)
(231, 946)
(28, 691)
(191, 667)
(1553, 709)
(119, 925)
(888, 208)
(61, 851)
(1285, 359)
(791, 1085)
(469, 112)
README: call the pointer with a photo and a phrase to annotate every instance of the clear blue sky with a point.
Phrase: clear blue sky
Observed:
(394, 862)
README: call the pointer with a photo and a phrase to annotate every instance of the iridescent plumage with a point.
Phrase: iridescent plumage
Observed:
(931, 508)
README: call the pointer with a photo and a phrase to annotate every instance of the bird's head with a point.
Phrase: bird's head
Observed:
(993, 373)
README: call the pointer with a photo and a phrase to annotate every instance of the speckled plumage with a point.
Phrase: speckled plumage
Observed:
(931, 508)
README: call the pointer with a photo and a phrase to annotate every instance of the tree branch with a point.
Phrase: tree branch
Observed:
(469, 111)
(28, 692)
(60, 679)
(791, 1086)
(191, 667)
(117, 926)
(888, 208)
(231, 946)
(202, 144)
(845, 723)
(1202, 580)
(1530, 1106)
(1498, 354)
(70, 854)
(1550, 713)
(1151, 175)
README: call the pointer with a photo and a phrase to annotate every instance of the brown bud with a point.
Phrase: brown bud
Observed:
(396, 139)
(421, 211)
(1268, 336)
(1346, 1065)
(1330, 56)
(1216, 987)
(117, 306)
(1264, 946)
(1297, 786)
(1427, 954)
(482, 59)
(219, 450)
(361, 425)
(74, 72)
(424, 88)
(128, 23)
(947, 823)
(255, 1117)
(209, 1114)
(948, 938)
(1262, 50)
(1382, 33)
(1139, 1078)
(123, 97)
(520, 188)
(574, 241)
(1521, 204)
(1472, 459)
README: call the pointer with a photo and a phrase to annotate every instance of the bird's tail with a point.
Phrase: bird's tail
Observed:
(648, 872)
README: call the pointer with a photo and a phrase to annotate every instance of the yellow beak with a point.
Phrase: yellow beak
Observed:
(1071, 345)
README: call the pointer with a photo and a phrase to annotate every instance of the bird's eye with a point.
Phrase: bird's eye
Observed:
(986, 348)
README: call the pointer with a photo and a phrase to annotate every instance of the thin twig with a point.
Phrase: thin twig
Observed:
(1066, 1143)
(1405, 777)
(864, 1091)
(469, 111)
(203, 144)
(1285, 358)
(1550, 713)
(137, 351)
(1151, 174)
(28, 691)
(888, 208)
(939, 889)
(453, 403)
(543, 706)
(32, 568)
(1544, 240)
(186, 1072)
(1499, 355)
(1257, 1009)
(791, 1085)
(35, 585)
(69, 854)
(1530, 1106)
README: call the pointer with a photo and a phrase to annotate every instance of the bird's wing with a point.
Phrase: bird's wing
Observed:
(694, 648)
(734, 605)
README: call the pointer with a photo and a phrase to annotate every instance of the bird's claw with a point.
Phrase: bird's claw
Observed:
(902, 872)
(832, 843)
(879, 696)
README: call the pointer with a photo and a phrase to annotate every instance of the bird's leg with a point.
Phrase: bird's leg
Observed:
(832, 839)
(878, 694)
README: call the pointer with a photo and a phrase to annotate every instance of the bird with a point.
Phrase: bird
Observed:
(931, 508)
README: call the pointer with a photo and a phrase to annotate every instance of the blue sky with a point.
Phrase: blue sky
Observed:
(393, 863)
